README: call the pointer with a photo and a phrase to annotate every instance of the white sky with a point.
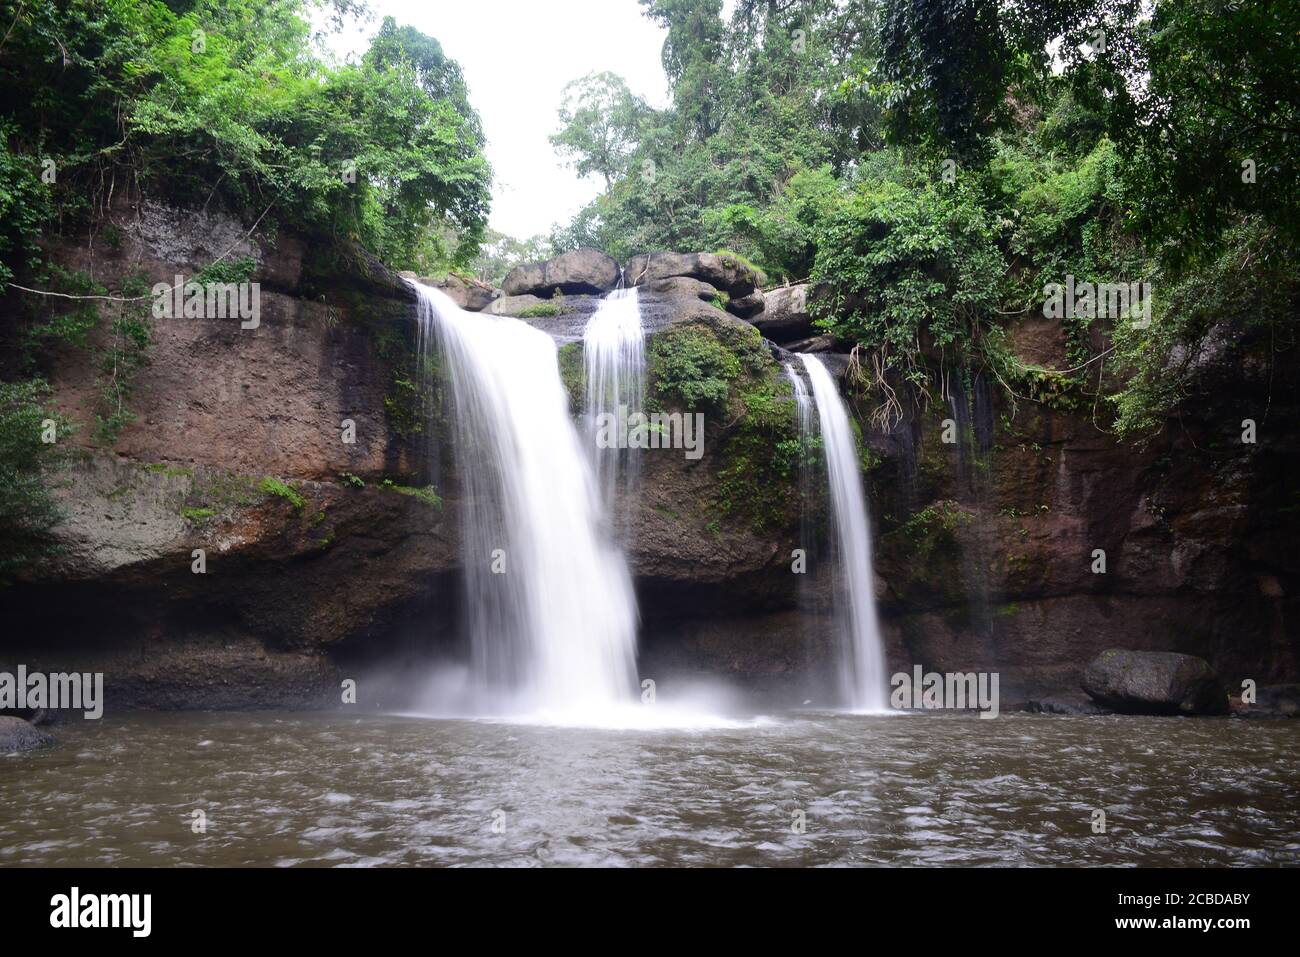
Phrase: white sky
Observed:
(517, 55)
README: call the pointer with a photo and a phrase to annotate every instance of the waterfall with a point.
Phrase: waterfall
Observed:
(804, 412)
(550, 607)
(614, 355)
(802, 401)
(862, 668)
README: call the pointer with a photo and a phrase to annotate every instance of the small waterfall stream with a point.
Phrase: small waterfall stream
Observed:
(812, 475)
(613, 351)
(862, 671)
(550, 607)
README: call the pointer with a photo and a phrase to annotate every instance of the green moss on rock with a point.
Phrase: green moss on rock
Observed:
(427, 494)
(694, 365)
(726, 372)
(573, 374)
(278, 489)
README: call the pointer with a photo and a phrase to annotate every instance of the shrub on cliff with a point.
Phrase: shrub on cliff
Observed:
(227, 99)
(27, 511)
(689, 364)
(24, 208)
(909, 267)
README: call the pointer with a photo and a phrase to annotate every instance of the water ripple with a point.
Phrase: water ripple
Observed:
(802, 789)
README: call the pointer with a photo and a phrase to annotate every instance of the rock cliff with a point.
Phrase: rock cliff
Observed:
(322, 554)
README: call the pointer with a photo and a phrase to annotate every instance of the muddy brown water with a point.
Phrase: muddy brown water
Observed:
(324, 789)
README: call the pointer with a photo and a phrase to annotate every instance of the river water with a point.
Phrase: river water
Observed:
(326, 789)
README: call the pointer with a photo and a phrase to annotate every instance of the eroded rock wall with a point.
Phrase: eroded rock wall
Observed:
(321, 554)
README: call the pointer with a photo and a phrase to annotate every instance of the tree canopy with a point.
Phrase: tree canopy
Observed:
(191, 101)
(934, 164)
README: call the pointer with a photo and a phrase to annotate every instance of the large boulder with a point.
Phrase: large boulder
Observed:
(469, 294)
(836, 363)
(723, 272)
(18, 735)
(1154, 682)
(513, 305)
(563, 318)
(578, 271)
(747, 306)
(681, 286)
(785, 316)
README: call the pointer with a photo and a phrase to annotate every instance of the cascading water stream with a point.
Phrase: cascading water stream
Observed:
(806, 423)
(550, 606)
(614, 355)
(803, 403)
(862, 668)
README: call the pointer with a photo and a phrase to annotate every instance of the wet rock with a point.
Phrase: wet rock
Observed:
(563, 318)
(1039, 341)
(836, 363)
(513, 305)
(722, 272)
(663, 310)
(1197, 548)
(36, 716)
(577, 271)
(1154, 682)
(18, 735)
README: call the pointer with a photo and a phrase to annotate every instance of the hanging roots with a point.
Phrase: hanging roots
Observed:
(890, 411)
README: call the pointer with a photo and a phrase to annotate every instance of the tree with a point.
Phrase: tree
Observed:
(1207, 105)
(436, 73)
(758, 102)
(694, 59)
(601, 121)
(224, 100)
(946, 66)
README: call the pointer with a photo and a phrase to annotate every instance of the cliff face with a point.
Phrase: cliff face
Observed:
(321, 553)
(1194, 528)
(985, 549)
(237, 448)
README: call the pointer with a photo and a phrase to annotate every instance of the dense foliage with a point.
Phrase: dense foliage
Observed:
(203, 104)
(936, 164)
(28, 452)
(227, 99)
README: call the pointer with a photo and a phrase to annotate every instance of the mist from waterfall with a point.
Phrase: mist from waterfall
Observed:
(614, 357)
(549, 601)
(862, 667)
